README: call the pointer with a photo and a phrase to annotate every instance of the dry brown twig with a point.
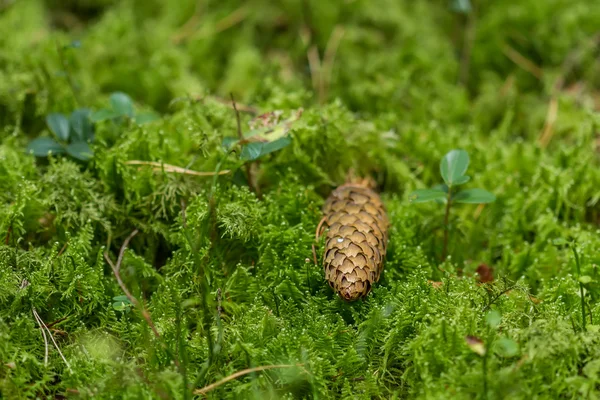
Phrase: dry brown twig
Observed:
(190, 28)
(116, 268)
(44, 327)
(328, 60)
(522, 61)
(159, 166)
(243, 372)
(248, 166)
(568, 64)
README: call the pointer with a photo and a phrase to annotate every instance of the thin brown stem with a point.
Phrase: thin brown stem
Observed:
(159, 166)
(469, 39)
(116, 268)
(243, 372)
(241, 137)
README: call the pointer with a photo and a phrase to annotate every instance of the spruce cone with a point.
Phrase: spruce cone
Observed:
(356, 239)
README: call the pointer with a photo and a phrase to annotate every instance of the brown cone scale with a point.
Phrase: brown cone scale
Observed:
(356, 239)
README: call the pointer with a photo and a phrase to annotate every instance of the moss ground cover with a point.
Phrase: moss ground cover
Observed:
(220, 276)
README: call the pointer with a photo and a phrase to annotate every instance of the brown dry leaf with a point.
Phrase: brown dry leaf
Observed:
(485, 272)
(436, 285)
(476, 345)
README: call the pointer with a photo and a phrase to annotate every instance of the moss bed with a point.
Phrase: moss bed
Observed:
(223, 270)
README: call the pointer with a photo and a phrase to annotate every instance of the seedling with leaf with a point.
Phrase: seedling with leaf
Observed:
(453, 168)
(71, 135)
(122, 109)
(268, 134)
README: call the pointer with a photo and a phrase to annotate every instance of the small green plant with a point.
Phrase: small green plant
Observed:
(583, 280)
(453, 168)
(268, 134)
(503, 346)
(72, 135)
(121, 109)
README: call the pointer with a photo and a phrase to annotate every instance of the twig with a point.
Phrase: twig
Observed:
(40, 321)
(522, 62)
(223, 24)
(63, 62)
(236, 375)
(328, 61)
(569, 63)
(37, 319)
(241, 107)
(117, 272)
(237, 118)
(469, 39)
(249, 176)
(318, 231)
(314, 65)
(62, 250)
(159, 166)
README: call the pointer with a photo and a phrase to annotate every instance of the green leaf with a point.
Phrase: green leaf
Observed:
(59, 124)
(81, 125)
(251, 151)
(80, 151)
(462, 180)
(229, 142)
(122, 298)
(476, 345)
(275, 145)
(147, 117)
(453, 166)
(103, 115)
(122, 104)
(559, 242)
(585, 279)
(424, 195)
(461, 6)
(43, 146)
(507, 347)
(493, 319)
(474, 196)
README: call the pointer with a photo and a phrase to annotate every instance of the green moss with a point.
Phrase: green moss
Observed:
(227, 275)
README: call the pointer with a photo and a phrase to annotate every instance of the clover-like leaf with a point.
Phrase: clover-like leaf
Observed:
(80, 151)
(122, 104)
(474, 196)
(462, 180)
(453, 166)
(228, 142)
(81, 125)
(425, 195)
(104, 114)
(275, 145)
(251, 151)
(43, 146)
(122, 303)
(59, 124)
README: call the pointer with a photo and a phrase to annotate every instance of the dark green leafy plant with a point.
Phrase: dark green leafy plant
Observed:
(122, 108)
(452, 168)
(72, 135)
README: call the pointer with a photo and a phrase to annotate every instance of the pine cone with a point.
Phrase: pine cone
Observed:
(356, 239)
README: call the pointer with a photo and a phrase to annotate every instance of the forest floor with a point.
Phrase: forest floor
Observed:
(163, 251)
